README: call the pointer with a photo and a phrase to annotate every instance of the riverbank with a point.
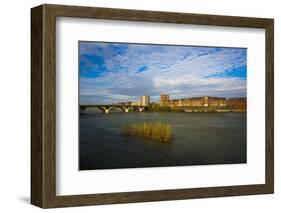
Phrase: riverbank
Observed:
(157, 108)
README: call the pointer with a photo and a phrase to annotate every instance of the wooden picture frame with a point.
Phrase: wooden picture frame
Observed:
(43, 105)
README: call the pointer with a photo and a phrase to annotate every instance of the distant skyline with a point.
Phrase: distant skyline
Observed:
(118, 72)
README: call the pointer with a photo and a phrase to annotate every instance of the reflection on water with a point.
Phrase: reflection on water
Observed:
(199, 139)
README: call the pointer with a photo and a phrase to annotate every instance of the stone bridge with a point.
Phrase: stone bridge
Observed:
(107, 107)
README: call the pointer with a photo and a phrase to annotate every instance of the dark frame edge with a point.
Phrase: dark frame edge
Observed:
(37, 197)
(269, 118)
(43, 167)
(42, 107)
(156, 196)
(156, 16)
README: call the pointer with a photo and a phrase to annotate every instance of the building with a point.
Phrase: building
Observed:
(135, 103)
(164, 99)
(237, 103)
(144, 100)
(215, 101)
(205, 101)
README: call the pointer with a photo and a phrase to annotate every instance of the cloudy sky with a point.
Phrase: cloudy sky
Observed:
(114, 72)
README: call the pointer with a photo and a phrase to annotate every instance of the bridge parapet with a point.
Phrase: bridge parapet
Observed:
(107, 108)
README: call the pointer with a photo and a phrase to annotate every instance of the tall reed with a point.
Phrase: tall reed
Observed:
(154, 131)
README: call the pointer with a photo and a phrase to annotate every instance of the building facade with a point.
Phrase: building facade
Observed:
(205, 101)
(145, 100)
(237, 103)
(164, 99)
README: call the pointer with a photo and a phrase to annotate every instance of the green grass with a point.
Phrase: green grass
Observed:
(154, 131)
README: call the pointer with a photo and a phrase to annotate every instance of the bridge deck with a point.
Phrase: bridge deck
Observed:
(108, 105)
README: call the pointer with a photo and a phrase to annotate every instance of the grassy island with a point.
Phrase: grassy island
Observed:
(154, 131)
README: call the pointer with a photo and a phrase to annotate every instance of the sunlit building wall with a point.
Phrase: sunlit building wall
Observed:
(145, 100)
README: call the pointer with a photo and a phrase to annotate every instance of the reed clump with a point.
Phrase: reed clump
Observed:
(154, 131)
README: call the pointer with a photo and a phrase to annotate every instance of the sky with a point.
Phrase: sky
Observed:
(120, 72)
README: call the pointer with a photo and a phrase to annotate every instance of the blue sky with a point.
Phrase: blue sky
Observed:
(115, 72)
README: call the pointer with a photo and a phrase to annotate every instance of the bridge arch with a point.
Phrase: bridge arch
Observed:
(107, 108)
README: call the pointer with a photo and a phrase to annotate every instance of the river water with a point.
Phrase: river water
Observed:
(199, 139)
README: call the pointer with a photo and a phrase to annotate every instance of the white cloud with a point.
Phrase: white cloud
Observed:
(178, 71)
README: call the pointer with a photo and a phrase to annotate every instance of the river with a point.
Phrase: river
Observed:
(199, 139)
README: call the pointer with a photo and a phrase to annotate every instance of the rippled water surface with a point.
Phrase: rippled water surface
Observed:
(199, 139)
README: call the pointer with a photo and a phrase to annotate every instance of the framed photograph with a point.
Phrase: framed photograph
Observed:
(136, 106)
